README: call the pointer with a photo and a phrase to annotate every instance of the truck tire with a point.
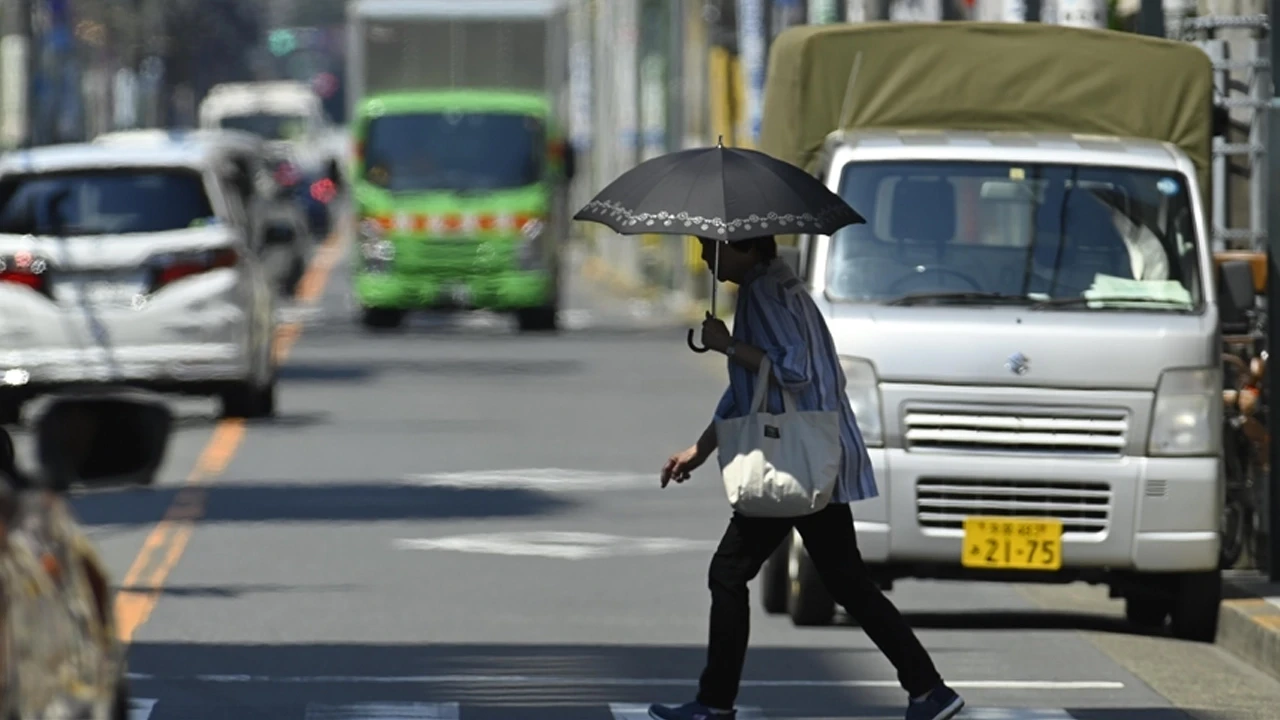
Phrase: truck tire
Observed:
(1196, 600)
(774, 582)
(808, 601)
(542, 319)
(381, 318)
(1146, 612)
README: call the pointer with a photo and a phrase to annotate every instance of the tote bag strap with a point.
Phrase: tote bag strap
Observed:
(761, 394)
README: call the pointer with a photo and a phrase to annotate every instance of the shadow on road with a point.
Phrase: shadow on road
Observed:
(328, 503)
(510, 682)
(1023, 620)
(233, 591)
(464, 367)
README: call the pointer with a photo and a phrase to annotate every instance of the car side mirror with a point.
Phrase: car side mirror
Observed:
(103, 438)
(1236, 295)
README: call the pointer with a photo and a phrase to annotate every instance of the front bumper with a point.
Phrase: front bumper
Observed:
(1128, 514)
(159, 365)
(508, 290)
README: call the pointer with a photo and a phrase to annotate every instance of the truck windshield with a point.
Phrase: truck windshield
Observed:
(270, 126)
(1053, 235)
(106, 202)
(454, 151)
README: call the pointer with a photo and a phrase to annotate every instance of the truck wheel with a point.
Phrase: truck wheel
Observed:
(1195, 606)
(381, 318)
(543, 319)
(774, 581)
(1146, 612)
(808, 601)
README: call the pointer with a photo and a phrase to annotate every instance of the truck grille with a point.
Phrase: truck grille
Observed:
(1083, 507)
(1017, 432)
(453, 258)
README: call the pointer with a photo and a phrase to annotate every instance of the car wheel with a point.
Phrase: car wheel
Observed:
(1146, 612)
(248, 401)
(10, 411)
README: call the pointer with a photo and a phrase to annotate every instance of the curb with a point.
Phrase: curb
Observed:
(1249, 628)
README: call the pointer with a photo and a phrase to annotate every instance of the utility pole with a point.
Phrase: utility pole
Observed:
(1273, 295)
(1151, 18)
(16, 69)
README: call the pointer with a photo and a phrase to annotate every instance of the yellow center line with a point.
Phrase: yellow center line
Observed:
(141, 586)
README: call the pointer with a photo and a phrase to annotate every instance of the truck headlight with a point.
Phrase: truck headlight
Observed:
(863, 388)
(530, 253)
(1186, 417)
(376, 251)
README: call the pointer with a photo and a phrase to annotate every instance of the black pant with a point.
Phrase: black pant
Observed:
(833, 546)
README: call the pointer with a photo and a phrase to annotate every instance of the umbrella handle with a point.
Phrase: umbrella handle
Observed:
(693, 347)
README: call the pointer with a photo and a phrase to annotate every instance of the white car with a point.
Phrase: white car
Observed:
(131, 265)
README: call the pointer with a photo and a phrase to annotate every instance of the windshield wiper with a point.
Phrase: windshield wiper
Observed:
(1081, 300)
(960, 298)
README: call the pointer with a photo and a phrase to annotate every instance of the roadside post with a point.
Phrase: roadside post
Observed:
(1273, 299)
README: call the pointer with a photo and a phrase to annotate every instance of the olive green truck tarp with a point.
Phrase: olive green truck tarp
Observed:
(985, 76)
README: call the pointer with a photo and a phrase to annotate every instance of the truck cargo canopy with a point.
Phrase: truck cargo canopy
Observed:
(423, 45)
(1018, 77)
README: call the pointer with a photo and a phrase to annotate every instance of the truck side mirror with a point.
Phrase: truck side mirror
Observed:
(570, 161)
(1236, 296)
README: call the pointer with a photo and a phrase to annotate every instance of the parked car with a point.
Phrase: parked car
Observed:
(131, 265)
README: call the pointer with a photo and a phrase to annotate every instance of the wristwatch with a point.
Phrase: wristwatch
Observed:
(728, 351)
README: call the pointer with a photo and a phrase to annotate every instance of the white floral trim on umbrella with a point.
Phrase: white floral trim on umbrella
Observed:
(615, 211)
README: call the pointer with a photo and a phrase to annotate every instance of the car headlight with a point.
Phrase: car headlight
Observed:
(863, 388)
(1186, 417)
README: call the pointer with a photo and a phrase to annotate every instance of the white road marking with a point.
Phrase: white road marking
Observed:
(547, 479)
(140, 708)
(632, 711)
(384, 711)
(561, 545)
(1014, 714)
(550, 680)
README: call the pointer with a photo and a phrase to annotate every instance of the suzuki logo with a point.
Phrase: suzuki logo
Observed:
(1018, 364)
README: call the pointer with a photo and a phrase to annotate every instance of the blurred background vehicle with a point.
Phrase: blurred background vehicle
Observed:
(305, 150)
(279, 232)
(61, 655)
(462, 169)
(132, 264)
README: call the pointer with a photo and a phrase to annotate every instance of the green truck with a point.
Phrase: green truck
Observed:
(461, 164)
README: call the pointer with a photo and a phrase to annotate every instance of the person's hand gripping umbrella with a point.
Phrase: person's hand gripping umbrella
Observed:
(718, 193)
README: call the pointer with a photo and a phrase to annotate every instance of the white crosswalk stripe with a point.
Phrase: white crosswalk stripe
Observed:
(384, 711)
(632, 711)
(153, 709)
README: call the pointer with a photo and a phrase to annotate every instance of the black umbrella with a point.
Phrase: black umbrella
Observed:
(718, 193)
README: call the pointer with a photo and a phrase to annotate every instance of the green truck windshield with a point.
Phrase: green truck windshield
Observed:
(454, 151)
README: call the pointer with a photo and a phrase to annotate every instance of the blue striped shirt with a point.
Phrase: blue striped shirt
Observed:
(775, 314)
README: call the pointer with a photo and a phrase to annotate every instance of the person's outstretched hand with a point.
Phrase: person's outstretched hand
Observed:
(680, 465)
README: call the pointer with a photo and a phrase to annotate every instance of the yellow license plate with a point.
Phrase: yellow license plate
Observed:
(1012, 544)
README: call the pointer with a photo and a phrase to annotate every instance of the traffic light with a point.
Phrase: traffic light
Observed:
(282, 42)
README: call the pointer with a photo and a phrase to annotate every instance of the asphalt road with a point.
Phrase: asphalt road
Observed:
(460, 522)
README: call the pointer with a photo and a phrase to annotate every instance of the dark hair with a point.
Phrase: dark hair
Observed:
(766, 247)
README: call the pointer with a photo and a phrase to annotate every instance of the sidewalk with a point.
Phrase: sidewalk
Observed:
(1249, 620)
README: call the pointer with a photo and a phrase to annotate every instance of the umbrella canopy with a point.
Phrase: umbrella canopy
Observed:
(719, 193)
